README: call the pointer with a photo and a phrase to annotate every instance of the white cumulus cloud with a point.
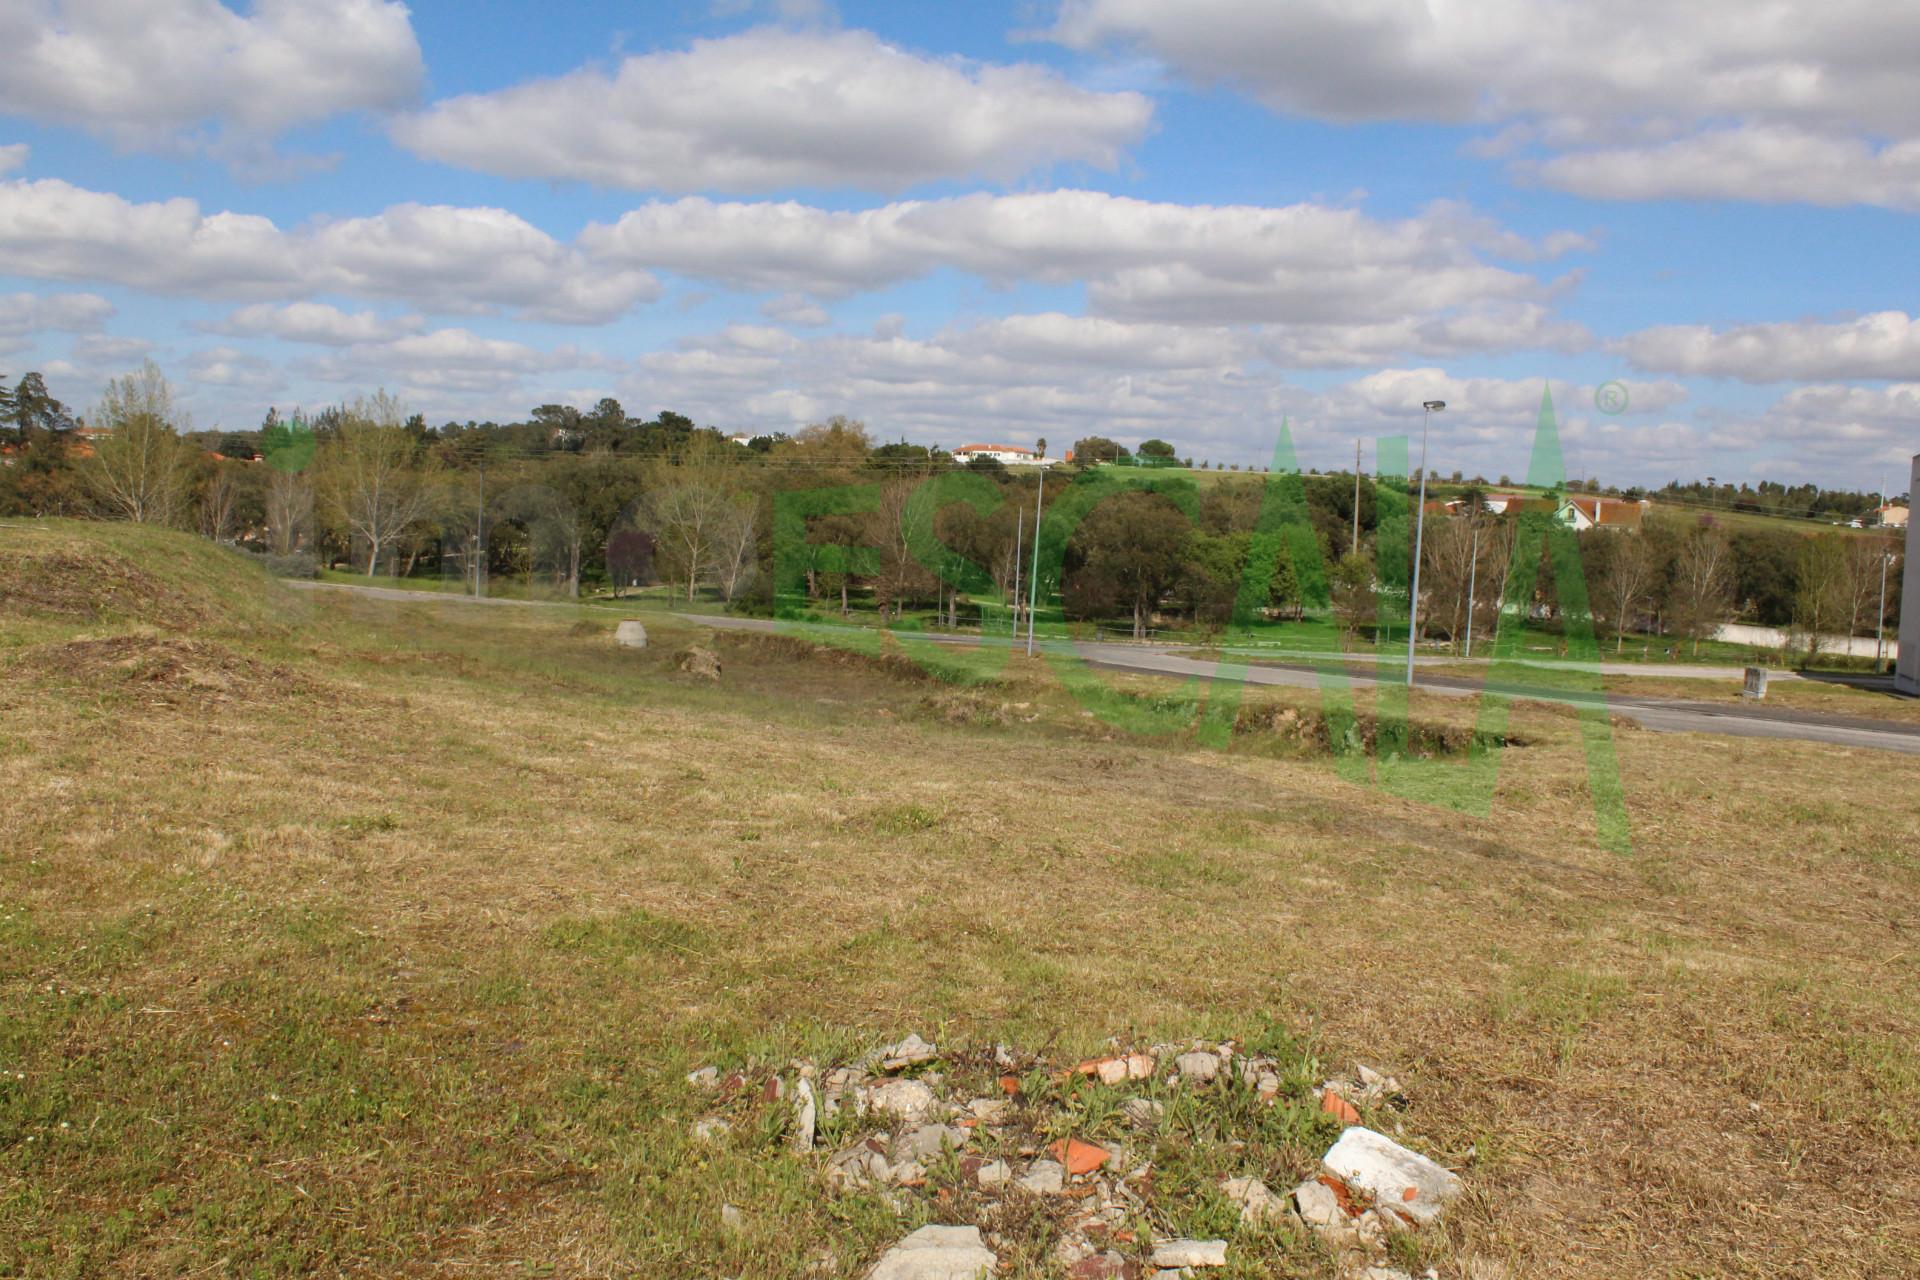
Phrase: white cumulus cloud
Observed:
(1883, 345)
(144, 73)
(1630, 99)
(770, 108)
(433, 256)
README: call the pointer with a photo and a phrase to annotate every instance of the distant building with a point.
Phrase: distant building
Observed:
(741, 438)
(1010, 454)
(1583, 513)
(1580, 512)
(1891, 517)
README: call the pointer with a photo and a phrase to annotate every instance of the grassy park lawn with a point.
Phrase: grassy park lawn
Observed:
(376, 938)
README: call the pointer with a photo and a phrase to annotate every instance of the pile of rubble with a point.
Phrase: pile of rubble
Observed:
(970, 1134)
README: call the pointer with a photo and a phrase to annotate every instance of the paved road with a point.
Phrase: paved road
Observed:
(1663, 715)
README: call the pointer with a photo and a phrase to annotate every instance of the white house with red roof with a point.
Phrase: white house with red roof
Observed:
(1011, 455)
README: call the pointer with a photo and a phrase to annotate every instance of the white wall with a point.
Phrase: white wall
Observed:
(1775, 638)
(1909, 675)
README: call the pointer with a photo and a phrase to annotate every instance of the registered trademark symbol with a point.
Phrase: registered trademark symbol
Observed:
(1610, 397)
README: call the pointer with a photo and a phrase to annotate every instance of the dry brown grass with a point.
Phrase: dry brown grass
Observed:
(397, 972)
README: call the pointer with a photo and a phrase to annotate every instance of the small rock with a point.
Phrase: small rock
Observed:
(1257, 1202)
(910, 1052)
(630, 634)
(928, 1141)
(700, 662)
(860, 1165)
(1045, 1178)
(993, 1173)
(710, 1129)
(990, 1111)
(1384, 1273)
(937, 1253)
(1198, 1067)
(704, 1078)
(732, 1219)
(1404, 1180)
(803, 1115)
(1318, 1204)
(1190, 1253)
(1142, 1113)
(908, 1100)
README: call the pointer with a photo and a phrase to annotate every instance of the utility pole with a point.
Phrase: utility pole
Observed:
(1019, 537)
(1428, 409)
(1473, 579)
(1356, 497)
(1033, 579)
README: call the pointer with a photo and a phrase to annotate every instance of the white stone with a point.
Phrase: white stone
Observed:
(704, 1078)
(1045, 1178)
(804, 1115)
(1375, 1164)
(732, 1219)
(994, 1173)
(1318, 1204)
(1142, 1113)
(630, 634)
(928, 1141)
(908, 1053)
(1200, 1067)
(1256, 1200)
(857, 1166)
(937, 1253)
(908, 1100)
(1190, 1253)
(710, 1130)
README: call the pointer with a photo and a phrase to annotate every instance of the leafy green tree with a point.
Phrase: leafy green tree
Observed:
(1157, 451)
(1094, 450)
(34, 409)
(1125, 556)
(1352, 583)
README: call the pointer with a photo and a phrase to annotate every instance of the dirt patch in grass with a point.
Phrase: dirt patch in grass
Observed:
(87, 588)
(170, 669)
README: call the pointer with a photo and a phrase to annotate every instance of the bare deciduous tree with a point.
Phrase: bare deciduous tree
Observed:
(1703, 581)
(735, 547)
(688, 518)
(141, 470)
(289, 511)
(373, 482)
(1626, 580)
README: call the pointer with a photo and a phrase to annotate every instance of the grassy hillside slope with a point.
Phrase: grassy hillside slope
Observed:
(375, 938)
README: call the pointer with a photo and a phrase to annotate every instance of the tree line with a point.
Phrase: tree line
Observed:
(570, 501)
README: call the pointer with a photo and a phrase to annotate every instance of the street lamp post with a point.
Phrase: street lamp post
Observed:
(1880, 636)
(1427, 410)
(1473, 580)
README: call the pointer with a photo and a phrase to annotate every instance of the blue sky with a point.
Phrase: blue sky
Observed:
(994, 221)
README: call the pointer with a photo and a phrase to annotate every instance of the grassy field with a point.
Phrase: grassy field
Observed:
(357, 937)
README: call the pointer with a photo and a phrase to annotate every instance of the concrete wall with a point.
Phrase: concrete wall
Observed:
(1909, 676)
(1775, 638)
